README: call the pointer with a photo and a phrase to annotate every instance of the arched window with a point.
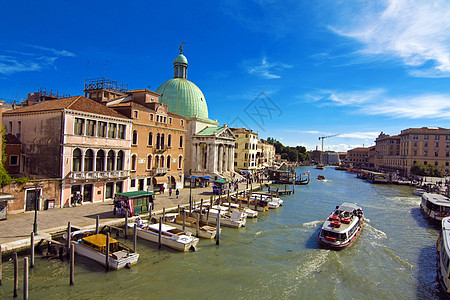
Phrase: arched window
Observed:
(161, 161)
(158, 142)
(150, 138)
(181, 141)
(110, 161)
(135, 137)
(76, 161)
(156, 161)
(89, 160)
(162, 141)
(149, 162)
(119, 165)
(133, 162)
(100, 161)
(180, 161)
(169, 140)
(168, 162)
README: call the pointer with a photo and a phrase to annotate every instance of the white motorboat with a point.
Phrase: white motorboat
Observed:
(342, 227)
(443, 248)
(272, 202)
(203, 230)
(236, 219)
(435, 206)
(234, 206)
(94, 247)
(171, 236)
(419, 192)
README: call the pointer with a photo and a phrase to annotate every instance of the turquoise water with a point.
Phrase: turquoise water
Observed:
(275, 256)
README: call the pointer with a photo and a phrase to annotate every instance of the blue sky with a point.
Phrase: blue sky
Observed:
(292, 70)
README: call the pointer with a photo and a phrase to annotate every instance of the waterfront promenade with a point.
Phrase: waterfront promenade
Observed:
(16, 229)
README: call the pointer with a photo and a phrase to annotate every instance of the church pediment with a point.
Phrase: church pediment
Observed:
(226, 133)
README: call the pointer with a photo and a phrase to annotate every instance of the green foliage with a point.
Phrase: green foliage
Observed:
(5, 178)
(292, 154)
(425, 170)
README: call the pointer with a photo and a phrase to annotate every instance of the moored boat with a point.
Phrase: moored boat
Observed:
(443, 248)
(435, 206)
(171, 236)
(94, 247)
(249, 212)
(419, 192)
(342, 227)
(202, 230)
(320, 167)
(236, 219)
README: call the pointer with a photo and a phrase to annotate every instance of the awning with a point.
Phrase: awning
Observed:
(134, 194)
(206, 177)
(160, 179)
(221, 181)
(192, 177)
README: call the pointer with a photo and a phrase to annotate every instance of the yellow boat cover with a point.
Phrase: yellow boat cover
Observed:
(99, 240)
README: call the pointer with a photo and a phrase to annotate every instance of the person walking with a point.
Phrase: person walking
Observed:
(177, 193)
(170, 192)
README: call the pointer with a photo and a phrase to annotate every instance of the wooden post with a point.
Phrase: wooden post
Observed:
(0, 264)
(69, 229)
(207, 215)
(16, 274)
(25, 278)
(107, 252)
(184, 220)
(97, 224)
(190, 207)
(32, 250)
(135, 237)
(285, 189)
(126, 224)
(293, 182)
(178, 210)
(277, 193)
(218, 229)
(198, 224)
(72, 263)
(228, 196)
(150, 214)
(201, 206)
(160, 233)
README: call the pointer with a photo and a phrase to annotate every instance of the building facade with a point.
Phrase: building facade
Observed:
(246, 149)
(358, 157)
(266, 154)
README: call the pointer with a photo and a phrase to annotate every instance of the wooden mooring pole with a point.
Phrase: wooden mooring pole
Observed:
(160, 233)
(218, 229)
(72, 263)
(184, 219)
(16, 274)
(135, 237)
(97, 224)
(25, 278)
(126, 224)
(68, 238)
(32, 250)
(0, 264)
(107, 252)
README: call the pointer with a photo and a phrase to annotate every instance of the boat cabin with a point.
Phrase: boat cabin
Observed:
(435, 206)
(98, 243)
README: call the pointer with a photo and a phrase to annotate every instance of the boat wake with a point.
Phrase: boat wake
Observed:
(378, 234)
(312, 264)
(312, 224)
(398, 259)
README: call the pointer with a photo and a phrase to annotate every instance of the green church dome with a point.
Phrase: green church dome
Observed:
(183, 97)
(180, 95)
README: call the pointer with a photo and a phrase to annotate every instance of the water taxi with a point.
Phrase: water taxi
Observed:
(171, 236)
(435, 206)
(377, 177)
(443, 248)
(94, 247)
(342, 227)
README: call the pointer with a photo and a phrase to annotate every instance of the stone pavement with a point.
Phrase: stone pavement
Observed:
(15, 231)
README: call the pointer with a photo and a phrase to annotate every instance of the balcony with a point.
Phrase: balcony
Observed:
(98, 175)
(161, 149)
(158, 171)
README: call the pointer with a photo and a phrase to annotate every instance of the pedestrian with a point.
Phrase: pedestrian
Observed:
(170, 192)
(162, 189)
(177, 192)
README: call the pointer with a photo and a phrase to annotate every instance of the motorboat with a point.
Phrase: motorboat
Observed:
(435, 206)
(235, 219)
(202, 230)
(171, 236)
(234, 206)
(260, 206)
(94, 246)
(321, 177)
(342, 227)
(443, 249)
(320, 167)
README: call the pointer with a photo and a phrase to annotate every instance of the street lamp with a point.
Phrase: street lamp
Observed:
(190, 189)
(36, 188)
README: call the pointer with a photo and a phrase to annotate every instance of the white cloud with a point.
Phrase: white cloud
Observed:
(21, 61)
(267, 70)
(416, 31)
(377, 102)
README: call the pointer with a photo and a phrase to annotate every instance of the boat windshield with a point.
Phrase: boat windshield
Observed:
(339, 236)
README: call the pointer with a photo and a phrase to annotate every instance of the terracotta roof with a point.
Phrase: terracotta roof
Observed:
(79, 103)
(142, 90)
(11, 139)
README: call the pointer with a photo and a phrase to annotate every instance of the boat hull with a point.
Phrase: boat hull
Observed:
(327, 244)
(180, 245)
(99, 257)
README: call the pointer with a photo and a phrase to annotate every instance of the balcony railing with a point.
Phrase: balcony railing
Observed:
(99, 174)
(161, 149)
(158, 171)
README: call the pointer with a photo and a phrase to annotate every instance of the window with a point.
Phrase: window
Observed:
(162, 141)
(149, 162)
(169, 140)
(181, 141)
(151, 117)
(236, 146)
(235, 155)
(436, 153)
(165, 120)
(120, 160)
(415, 144)
(170, 121)
(133, 162)
(168, 162)
(436, 144)
(100, 161)
(150, 139)
(10, 127)
(446, 163)
(246, 146)
(157, 118)
(415, 137)
(76, 161)
(112, 130)
(110, 161)
(161, 161)
(436, 163)
(121, 134)
(425, 144)
(447, 153)
(425, 152)
(14, 160)
(90, 131)
(180, 161)
(133, 182)
(19, 129)
(79, 126)
(89, 160)
(182, 123)
(101, 129)
(135, 114)
(436, 137)
(135, 138)
(426, 137)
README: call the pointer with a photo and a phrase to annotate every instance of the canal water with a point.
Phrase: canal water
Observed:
(275, 256)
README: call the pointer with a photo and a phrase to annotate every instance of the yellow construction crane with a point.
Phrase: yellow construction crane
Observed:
(322, 138)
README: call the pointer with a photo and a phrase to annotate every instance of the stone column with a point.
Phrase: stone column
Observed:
(227, 149)
(198, 153)
(231, 155)
(194, 157)
(220, 159)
